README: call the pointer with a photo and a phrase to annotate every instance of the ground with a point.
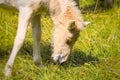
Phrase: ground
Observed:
(95, 56)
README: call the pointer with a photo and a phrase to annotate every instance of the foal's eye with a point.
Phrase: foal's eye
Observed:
(72, 27)
(69, 41)
(72, 30)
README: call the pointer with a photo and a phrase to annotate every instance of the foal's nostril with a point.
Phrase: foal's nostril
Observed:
(61, 59)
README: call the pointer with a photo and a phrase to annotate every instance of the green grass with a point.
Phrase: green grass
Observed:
(95, 56)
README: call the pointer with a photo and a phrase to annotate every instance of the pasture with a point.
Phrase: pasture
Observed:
(95, 56)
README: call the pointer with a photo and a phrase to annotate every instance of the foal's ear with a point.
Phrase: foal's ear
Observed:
(86, 23)
(81, 25)
(78, 25)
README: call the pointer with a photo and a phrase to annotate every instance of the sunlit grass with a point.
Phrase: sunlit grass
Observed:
(95, 56)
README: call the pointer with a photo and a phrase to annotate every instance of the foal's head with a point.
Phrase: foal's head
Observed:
(66, 32)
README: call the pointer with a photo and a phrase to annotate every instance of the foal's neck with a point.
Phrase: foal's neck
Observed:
(65, 6)
(4, 1)
(58, 7)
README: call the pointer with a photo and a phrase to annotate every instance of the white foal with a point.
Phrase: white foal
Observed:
(66, 18)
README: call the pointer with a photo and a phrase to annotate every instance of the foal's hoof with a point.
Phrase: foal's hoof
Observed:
(40, 65)
(7, 72)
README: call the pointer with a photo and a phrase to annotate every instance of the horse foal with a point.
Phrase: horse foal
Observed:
(67, 20)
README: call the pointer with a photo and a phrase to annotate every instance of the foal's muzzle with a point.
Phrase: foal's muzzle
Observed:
(59, 58)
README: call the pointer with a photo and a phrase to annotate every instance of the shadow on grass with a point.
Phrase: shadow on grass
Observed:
(4, 52)
(79, 58)
(76, 58)
(45, 50)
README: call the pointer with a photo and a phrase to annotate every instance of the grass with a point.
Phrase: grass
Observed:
(95, 56)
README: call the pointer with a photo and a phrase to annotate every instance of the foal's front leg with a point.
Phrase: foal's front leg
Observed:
(24, 17)
(36, 33)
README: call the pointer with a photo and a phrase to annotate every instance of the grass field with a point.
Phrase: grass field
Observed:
(95, 56)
